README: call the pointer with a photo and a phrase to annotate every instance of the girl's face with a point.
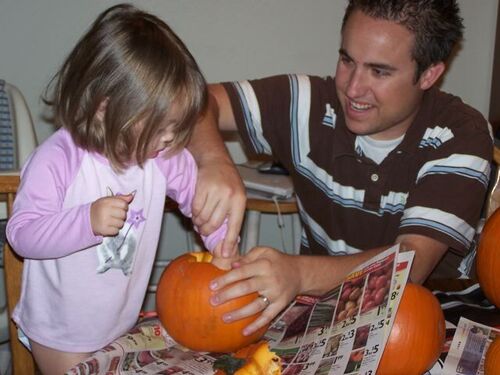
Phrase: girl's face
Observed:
(161, 141)
(164, 134)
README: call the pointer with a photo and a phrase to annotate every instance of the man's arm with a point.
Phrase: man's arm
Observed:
(221, 107)
(220, 193)
(281, 277)
(428, 253)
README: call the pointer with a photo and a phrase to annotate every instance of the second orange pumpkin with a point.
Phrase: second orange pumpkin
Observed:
(417, 336)
(492, 359)
(488, 259)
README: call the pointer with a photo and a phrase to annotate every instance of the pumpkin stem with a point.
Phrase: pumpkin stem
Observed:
(228, 364)
(202, 256)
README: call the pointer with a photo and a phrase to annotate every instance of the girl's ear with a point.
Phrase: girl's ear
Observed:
(101, 111)
(431, 75)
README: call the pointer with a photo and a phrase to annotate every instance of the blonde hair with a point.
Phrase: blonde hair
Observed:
(138, 66)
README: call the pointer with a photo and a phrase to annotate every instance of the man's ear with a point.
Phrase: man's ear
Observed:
(431, 75)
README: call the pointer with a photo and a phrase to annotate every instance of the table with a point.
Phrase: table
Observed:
(146, 349)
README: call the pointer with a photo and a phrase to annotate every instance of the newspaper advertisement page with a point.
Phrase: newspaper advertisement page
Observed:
(344, 331)
(303, 330)
(399, 281)
(402, 272)
(361, 336)
(468, 348)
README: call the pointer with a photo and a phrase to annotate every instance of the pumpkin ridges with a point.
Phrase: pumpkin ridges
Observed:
(185, 311)
(431, 349)
(180, 275)
(418, 328)
(488, 259)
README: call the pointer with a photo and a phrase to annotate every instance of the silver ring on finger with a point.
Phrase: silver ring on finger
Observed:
(265, 300)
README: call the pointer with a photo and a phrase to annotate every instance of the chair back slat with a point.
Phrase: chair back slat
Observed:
(22, 360)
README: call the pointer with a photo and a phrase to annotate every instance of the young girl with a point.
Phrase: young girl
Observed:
(88, 213)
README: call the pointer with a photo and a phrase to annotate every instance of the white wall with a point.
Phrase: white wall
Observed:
(231, 39)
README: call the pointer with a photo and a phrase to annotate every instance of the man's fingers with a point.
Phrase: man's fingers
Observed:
(269, 311)
(237, 274)
(263, 320)
(199, 199)
(235, 220)
(204, 212)
(248, 310)
(210, 218)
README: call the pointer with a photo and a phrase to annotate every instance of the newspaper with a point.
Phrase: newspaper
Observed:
(468, 348)
(342, 332)
(147, 349)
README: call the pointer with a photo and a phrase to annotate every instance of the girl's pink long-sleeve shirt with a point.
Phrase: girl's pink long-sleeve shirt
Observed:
(81, 291)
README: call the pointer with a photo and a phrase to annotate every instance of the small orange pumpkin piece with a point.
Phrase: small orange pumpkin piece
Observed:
(184, 309)
(417, 336)
(492, 359)
(257, 359)
(488, 259)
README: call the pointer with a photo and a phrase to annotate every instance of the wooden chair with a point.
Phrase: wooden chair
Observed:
(22, 361)
(17, 125)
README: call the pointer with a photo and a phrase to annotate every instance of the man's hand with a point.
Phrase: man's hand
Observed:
(108, 214)
(279, 278)
(219, 194)
(266, 271)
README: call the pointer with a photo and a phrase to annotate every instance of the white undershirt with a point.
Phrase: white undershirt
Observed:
(375, 149)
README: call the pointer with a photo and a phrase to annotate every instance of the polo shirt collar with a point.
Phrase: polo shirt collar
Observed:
(417, 129)
(343, 140)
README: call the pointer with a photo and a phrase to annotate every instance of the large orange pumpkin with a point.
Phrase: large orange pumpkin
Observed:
(488, 259)
(492, 360)
(184, 309)
(417, 336)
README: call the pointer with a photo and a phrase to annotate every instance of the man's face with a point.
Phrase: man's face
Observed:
(375, 77)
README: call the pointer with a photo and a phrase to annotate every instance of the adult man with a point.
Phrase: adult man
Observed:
(378, 154)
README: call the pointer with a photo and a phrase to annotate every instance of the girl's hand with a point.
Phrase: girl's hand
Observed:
(270, 273)
(219, 194)
(108, 214)
(225, 262)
